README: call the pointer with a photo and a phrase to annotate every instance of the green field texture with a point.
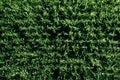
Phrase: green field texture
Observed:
(59, 39)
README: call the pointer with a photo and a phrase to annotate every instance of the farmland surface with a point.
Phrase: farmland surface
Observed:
(59, 39)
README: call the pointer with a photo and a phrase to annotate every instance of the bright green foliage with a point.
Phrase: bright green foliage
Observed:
(59, 39)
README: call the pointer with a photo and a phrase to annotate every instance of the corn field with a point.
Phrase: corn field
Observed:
(59, 39)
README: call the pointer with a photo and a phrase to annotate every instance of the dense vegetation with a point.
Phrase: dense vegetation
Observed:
(59, 39)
